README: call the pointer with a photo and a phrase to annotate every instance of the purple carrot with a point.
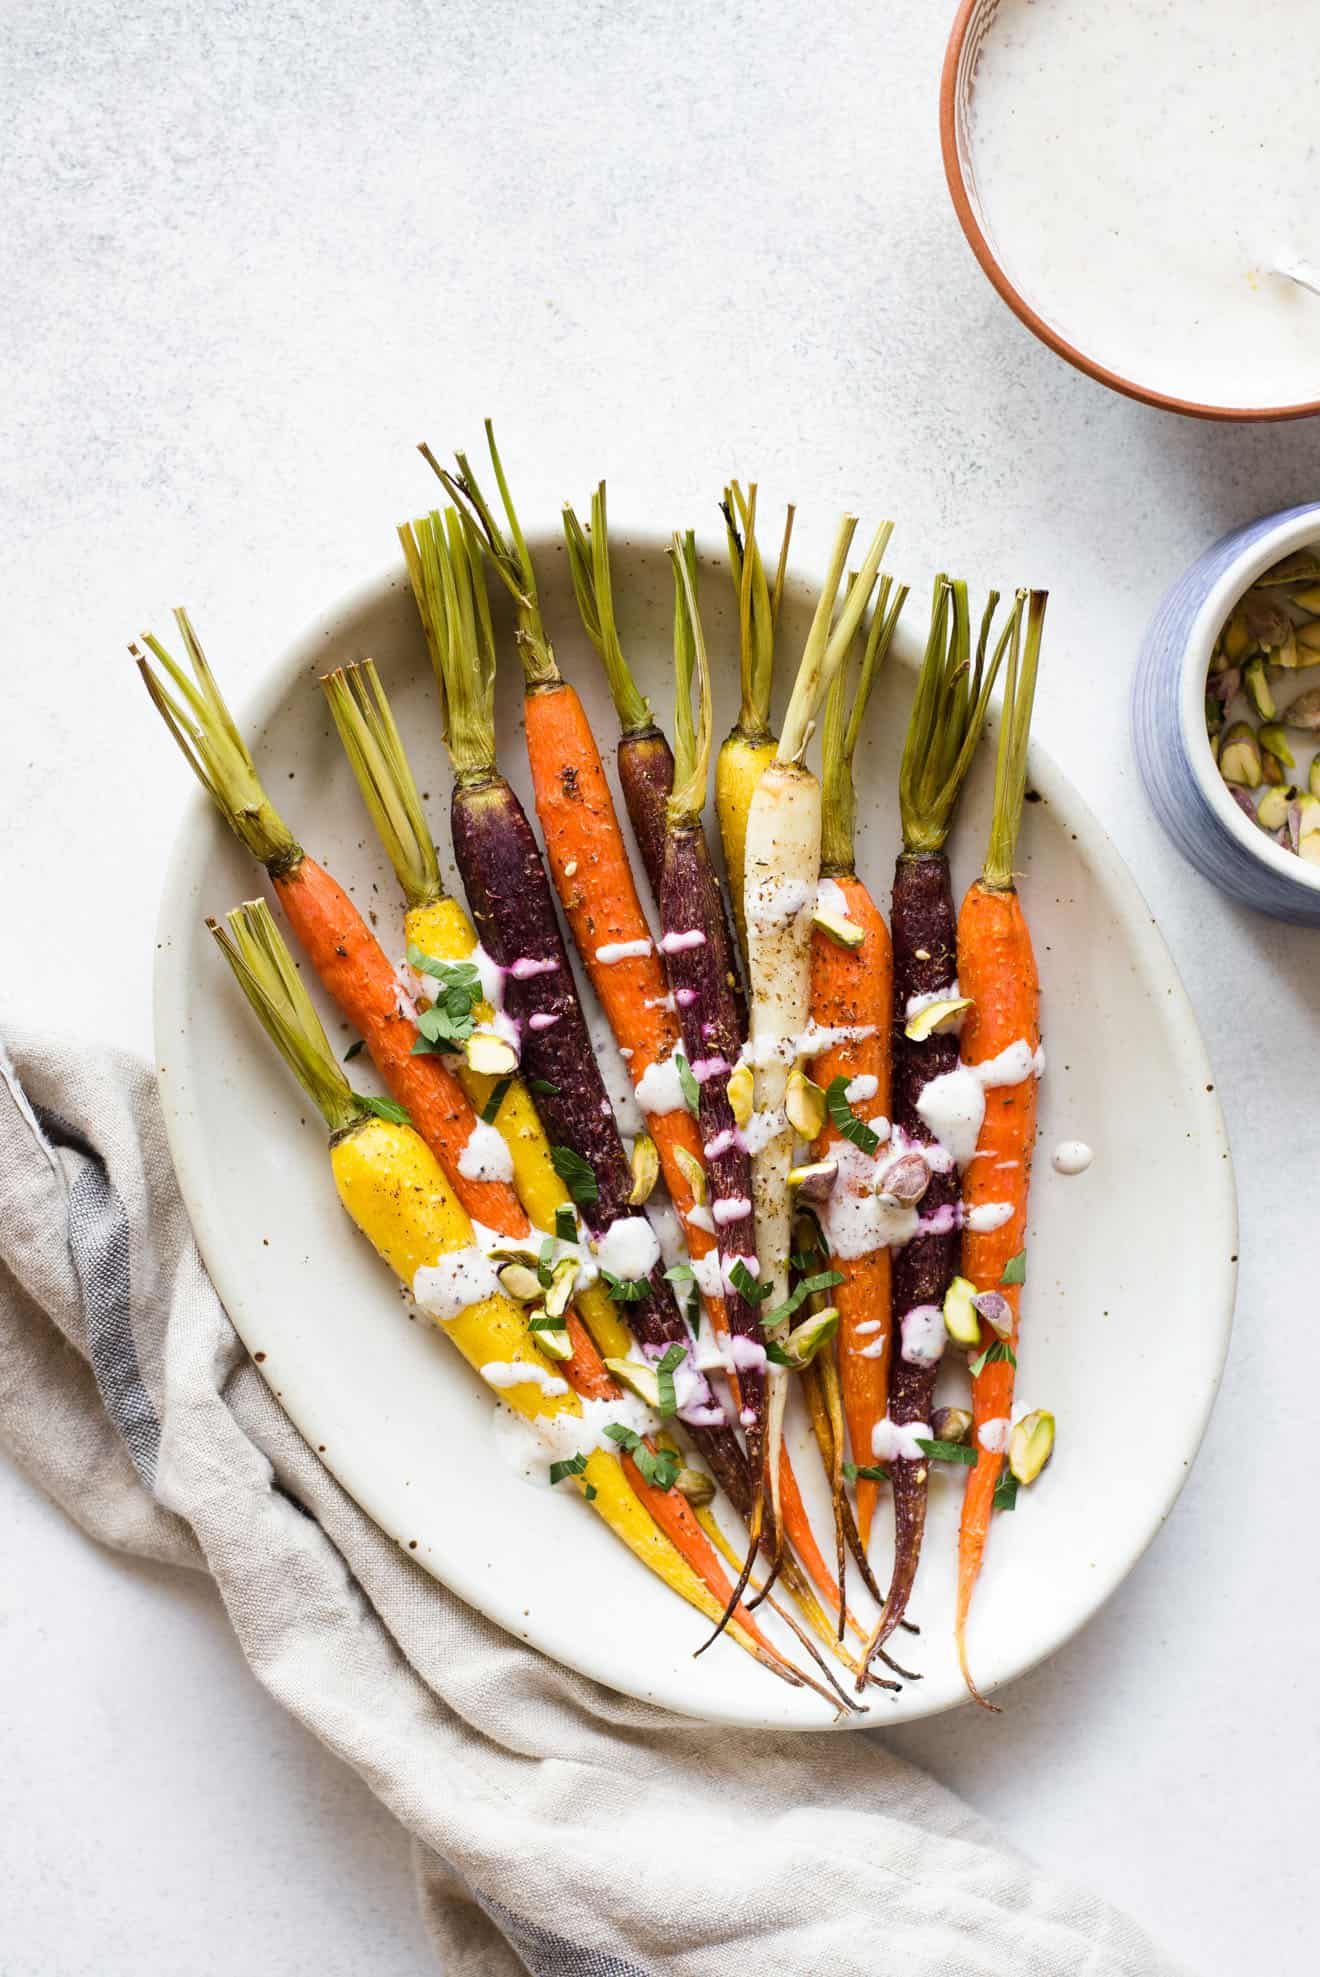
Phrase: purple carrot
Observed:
(948, 713)
(645, 759)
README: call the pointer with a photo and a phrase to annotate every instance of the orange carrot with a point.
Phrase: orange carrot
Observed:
(997, 969)
(349, 960)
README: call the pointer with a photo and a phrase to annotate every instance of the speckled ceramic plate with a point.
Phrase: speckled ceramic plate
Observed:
(1131, 1265)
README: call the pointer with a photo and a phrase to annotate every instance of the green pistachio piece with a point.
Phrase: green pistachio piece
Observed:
(961, 1320)
(1239, 756)
(950, 1424)
(696, 1486)
(1031, 1445)
(1304, 712)
(520, 1282)
(562, 1281)
(1258, 690)
(1272, 810)
(553, 1339)
(936, 1018)
(1275, 742)
(806, 1339)
(804, 1103)
(1313, 776)
(1308, 637)
(843, 932)
(645, 1160)
(639, 1378)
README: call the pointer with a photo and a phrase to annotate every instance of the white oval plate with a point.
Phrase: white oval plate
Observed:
(1130, 1268)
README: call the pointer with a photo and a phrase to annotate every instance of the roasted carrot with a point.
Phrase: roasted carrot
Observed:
(948, 713)
(348, 958)
(852, 1000)
(393, 1189)
(997, 969)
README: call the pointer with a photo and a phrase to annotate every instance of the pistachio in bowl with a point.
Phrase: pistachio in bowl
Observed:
(1262, 703)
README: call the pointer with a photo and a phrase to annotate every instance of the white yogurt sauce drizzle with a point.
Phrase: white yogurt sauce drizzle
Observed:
(894, 1441)
(1071, 1157)
(629, 1248)
(952, 1106)
(505, 1373)
(659, 1089)
(622, 950)
(486, 1156)
(460, 1277)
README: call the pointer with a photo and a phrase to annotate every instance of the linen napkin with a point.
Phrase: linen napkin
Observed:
(556, 1827)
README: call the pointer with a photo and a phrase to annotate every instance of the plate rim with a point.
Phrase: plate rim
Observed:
(169, 1018)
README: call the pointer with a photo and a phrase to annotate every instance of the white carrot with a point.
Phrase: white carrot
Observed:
(782, 873)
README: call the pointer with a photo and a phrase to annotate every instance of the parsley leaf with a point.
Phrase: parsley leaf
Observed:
(948, 1452)
(824, 1280)
(383, 1108)
(1001, 1349)
(575, 1173)
(690, 1088)
(490, 1110)
(866, 1472)
(450, 1020)
(573, 1465)
(543, 1088)
(664, 1373)
(845, 1119)
(626, 1290)
(565, 1223)
(352, 1051)
(1015, 1270)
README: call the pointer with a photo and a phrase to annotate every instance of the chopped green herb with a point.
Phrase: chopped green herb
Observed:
(384, 1108)
(777, 1356)
(547, 1324)
(572, 1465)
(865, 1472)
(824, 1280)
(742, 1280)
(589, 1492)
(1015, 1270)
(543, 1088)
(1000, 1349)
(806, 1259)
(664, 1374)
(575, 1173)
(948, 1452)
(680, 1273)
(353, 1050)
(690, 1088)
(565, 1223)
(1006, 1489)
(626, 1290)
(490, 1110)
(659, 1470)
(545, 1275)
(450, 1019)
(846, 1120)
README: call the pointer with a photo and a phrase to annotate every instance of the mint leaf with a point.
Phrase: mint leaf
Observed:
(1015, 1270)
(1000, 1349)
(690, 1088)
(575, 1173)
(948, 1452)
(490, 1110)
(573, 1465)
(665, 1371)
(383, 1108)
(824, 1280)
(565, 1223)
(866, 1472)
(845, 1119)
(1006, 1489)
(352, 1051)
(626, 1290)
(744, 1282)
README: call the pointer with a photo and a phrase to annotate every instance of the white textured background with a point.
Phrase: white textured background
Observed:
(248, 255)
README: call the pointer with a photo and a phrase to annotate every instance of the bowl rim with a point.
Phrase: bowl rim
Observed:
(1231, 584)
(979, 242)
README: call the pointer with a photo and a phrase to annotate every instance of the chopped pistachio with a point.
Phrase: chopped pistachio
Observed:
(1272, 810)
(1271, 770)
(1258, 690)
(554, 1341)
(741, 1089)
(950, 1424)
(514, 1252)
(1302, 566)
(1214, 749)
(1214, 714)
(1309, 847)
(1266, 621)
(692, 1171)
(1031, 1445)
(806, 1339)
(520, 1282)
(996, 1310)
(563, 1278)
(936, 1018)
(961, 1321)
(696, 1486)
(1308, 637)
(1308, 596)
(1304, 712)
(645, 1169)
(1239, 756)
(843, 932)
(1236, 639)
(1290, 655)
(814, 1179)
(905, 1180)
(639, 1378)
(492, 1056)
(804, 1103)
(1275, 742)
(1313, 776)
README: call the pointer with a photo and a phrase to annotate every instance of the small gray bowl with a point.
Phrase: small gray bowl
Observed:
(1190, 796)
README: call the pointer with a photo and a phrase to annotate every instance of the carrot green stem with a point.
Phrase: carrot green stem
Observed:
(841, 728)
(691, 741)
(197, 717)
(265, 971)
(758, 608)
(444, 558)
(1011, 760)
(508, 552)
(376, 756)
(948, 713)
(826, 650)
(589, 567)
